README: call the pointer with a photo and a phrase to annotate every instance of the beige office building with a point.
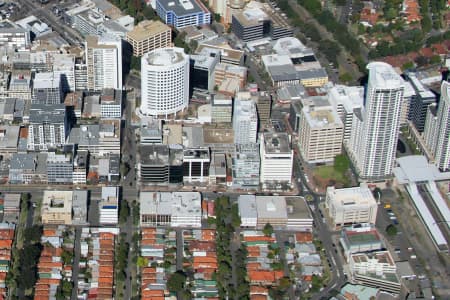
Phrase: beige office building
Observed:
(320, 132)
(57, 207)
(351, 206)
(149, 35)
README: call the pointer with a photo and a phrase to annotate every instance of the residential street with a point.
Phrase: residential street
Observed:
(128, 229)
(76, 262)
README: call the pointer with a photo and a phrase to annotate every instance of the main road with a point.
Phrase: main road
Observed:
(324, 234)
(128, 192)
(44, 13)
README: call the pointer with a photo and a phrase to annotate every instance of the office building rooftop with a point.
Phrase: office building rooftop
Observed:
(23, 161)
(165, 56)
(47, 113)
(172, 204)
(146, 29)
(320, 116)
(46, 80)
(155, 155)
(9, 136)
(276, 143)
(271, 207)
(183, 7)
(247, 206)
(297, 208)
(57, 202)
(347, 197)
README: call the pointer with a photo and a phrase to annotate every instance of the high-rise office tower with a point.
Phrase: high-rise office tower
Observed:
(104, 62)
(47, 88)
(276, 158)
(374, 142)
(442, 155)
(164, 81)
(245, 119)
(48, 127)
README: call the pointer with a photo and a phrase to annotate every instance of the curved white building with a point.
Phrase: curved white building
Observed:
(164, 81)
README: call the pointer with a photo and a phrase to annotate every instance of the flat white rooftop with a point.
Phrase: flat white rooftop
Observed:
(383, 76)
(349, 96)
(46, 80)
(176, 204)
(165, 56)
(345, 197)
(271, 207)
(322, 117)
(247, 206)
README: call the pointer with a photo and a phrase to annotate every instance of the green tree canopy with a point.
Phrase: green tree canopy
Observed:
(391, 230)
(345, 77)
(268, 229)
(341, 163)
(142, 262)
(176, 281)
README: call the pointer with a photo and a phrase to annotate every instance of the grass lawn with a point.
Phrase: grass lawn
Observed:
(328, 172)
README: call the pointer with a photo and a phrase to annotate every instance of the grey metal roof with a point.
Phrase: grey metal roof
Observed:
(102, 4)
(114, 163)
(47, 113)
(247, 206)
(86, 135)
(283, 72)
(114, 26)
(23, 161)
(312, 73)
(290, 92)
(300, 209)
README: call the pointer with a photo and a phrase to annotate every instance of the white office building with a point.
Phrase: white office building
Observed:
(247, 210)
(64, 67)
(276, 158)
(104, 62)
(374, 140)
(351, 205)
(245, 120)
(164, 81)
(47, 88)
(13, 36)
(109, 205)
(442, 154)
(177, 209)
(375, 269)
(196, 162)
(347, 101)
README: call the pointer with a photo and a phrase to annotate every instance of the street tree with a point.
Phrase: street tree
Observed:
(176, 281)
(268, 229)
